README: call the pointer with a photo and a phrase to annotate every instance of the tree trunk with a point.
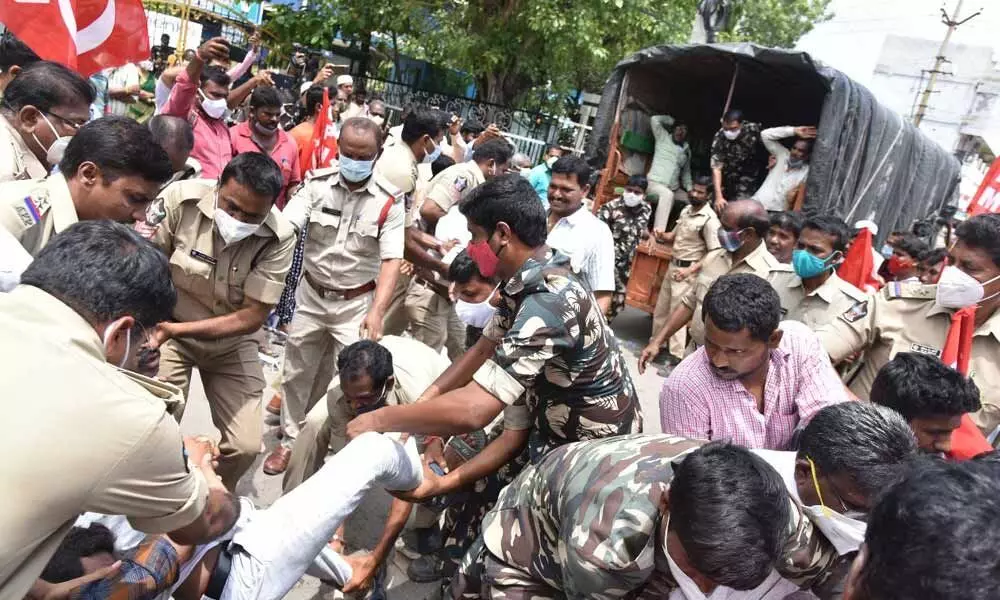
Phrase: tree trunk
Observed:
(395, 57)
(366, 57)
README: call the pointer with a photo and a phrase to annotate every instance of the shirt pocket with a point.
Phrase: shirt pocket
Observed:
(191, 274)
(323, 227)
(363, 239)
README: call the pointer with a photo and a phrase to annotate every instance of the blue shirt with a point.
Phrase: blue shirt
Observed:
(539, 178)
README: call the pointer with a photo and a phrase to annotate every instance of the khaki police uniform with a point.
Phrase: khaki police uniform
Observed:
(89, 438)
(717, 263)
(344, 250)
(34, 210)
(214, 279)
(17, 161)
(454, 184)
(827, 302)
(695, 235)
(905, 318)
(398, 166)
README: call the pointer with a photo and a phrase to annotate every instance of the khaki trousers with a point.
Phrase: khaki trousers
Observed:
(669, 299)
(320, 329)
(396, 320)
(433, 320)
(233, 379)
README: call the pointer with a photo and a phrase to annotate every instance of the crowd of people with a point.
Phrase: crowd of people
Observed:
(445, 310)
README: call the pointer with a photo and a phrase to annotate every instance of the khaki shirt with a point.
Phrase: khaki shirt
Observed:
(34, 210)
(696, 233)
(89, 439)
(212, 278)
(717, 263)
(345, 246)
(17, 161)
(399, 167)
(824, 304)
(454, 184)
(905, 318)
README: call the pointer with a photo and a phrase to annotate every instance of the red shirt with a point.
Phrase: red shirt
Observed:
(285, 153)
(212, 147)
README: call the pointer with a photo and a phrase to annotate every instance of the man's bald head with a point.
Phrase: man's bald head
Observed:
(364, 127)
(746, 214)
(175, 135)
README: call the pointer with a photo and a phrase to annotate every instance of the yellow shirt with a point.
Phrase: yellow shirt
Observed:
(90, 438)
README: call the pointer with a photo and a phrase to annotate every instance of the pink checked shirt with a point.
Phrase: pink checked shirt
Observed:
(285, 153)
(695, 403)
(212, 146)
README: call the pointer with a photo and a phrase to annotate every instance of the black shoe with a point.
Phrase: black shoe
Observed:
(378, 591)
(420, 542)
(430, 568)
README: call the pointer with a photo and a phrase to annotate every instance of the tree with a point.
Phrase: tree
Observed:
(775, 23)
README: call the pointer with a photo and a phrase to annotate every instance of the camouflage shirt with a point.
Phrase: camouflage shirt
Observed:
(739, 160)
(557, 354)
(627, 225)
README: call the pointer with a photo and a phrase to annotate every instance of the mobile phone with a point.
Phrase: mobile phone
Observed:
(436, 468)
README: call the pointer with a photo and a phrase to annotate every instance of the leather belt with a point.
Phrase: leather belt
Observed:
(682, 263)
(350, 294)
(220, 574)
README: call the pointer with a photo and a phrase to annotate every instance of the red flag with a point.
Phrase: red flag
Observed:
(84, 35)
(858, 263)
(987, 198)
(323, 147)
(966, 441)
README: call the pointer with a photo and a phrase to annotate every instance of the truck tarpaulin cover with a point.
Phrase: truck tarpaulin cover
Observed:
(868, 162)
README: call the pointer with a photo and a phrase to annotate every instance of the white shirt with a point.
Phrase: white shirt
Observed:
(781, 180)
(121, 77)
(588, 242)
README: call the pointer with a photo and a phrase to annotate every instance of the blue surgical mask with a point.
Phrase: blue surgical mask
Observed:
(730, 240)
(886, 251)
(433, 154)
(356, 171)
(808, 265)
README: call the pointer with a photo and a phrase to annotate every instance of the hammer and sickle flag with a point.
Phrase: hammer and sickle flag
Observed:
(85, 35)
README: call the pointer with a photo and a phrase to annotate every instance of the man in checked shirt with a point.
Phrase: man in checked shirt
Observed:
(756, 379)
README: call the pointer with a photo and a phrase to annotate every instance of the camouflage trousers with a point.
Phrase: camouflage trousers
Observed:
(618, 297)
(482, 576)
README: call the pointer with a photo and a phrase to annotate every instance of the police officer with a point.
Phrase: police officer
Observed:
(351, 260)
(814, 294)
(43, 107)
(913, 317)
(455, 183)
(744, 225)
(694, 236)
(229, 252)
(112, 169)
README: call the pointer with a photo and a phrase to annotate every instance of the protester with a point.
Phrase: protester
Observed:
(305, 132)
(143, 108)
(744, 225)
(903, 265)
(345, 87)
(932, 536)
(693, 237)
(931, 264)
(735, 171)
(260, 133)
(577, 233)
(756, 379)
(111, 169)
(176, 136)
(520, 164)
(783, 235)
(15, 55)
(476, 296)
(670, 172)
(123, 88)
(352, 253)
(541, 174)
(376, 112)
(917, 318)
(85, 306)
(784, 188)
(930, 395)
(628, 219)
(814, 294)
(160, 54)
(42, 109)
(213, 328)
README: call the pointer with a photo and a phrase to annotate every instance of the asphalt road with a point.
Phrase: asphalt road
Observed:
(364, 526)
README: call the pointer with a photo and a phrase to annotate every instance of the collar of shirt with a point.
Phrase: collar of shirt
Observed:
(531, 276)
(760, 260)
(370, 186)
(29, 161)
(207, 207)
(243, 131)
(577, 218)
(63, 209)
(43, 308)
(705, 210)
(827, 291)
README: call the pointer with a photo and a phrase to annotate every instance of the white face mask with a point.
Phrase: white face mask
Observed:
(231, 229)
(476, 315)
(551, 161)
(213, 108)
(128, 344)
(55, 152)
(845, 533)
(958, 289)
(632, 199)
(731, 134)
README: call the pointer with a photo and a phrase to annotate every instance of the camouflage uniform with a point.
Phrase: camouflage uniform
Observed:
(585, 522)
(627, 225)
(739, 160)
(556, 354)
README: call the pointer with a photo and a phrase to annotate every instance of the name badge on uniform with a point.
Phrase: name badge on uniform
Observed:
(203, 257)
(921, 349)
(330, 211)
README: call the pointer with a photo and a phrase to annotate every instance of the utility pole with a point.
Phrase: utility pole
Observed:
(953, 23)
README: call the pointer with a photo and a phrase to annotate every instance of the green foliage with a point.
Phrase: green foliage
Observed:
(775, 23)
